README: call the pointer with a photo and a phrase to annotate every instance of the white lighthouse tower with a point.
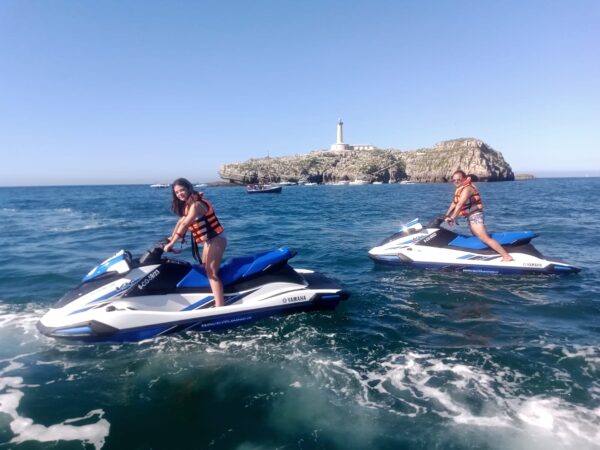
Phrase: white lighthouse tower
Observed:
(339, 145)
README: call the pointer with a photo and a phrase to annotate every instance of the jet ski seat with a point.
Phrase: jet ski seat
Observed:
(508, 238)
(236, 269)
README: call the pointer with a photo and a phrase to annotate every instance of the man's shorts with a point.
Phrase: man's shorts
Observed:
(476, 218)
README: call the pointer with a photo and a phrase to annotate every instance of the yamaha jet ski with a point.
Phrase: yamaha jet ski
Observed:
(125, 299)
(434, 247)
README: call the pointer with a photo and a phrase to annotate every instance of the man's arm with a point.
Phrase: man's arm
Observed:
(464, 196)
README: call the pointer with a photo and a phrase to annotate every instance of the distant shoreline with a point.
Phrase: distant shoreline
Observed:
(227, 184)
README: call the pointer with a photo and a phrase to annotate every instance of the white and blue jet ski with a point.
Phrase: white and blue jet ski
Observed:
(123, 299)
(434, 247)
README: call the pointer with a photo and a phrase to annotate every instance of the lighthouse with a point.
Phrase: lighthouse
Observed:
(339, 145)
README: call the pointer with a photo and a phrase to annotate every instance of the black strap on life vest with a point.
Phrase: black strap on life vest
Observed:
(196, 251)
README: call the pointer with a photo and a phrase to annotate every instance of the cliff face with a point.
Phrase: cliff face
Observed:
(320, 166)
(473, 156)
(425, 165)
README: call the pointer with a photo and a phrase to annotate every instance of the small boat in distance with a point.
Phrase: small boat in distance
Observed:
(265, 184)
(160, 185)
(358, 182)
(263, 189)
(200, 185)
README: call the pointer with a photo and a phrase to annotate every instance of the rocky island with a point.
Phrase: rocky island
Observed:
(426, 165)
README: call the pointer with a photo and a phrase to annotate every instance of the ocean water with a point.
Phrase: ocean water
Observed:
(414, 359)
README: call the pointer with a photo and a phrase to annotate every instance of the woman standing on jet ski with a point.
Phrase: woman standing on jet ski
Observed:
(197, 215)
(467, 203)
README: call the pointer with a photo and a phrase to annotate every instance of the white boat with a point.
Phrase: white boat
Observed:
(407, 182)
(377, 182)
(358, 182)
(263, 189)
(310, 184)
(160, 185)
(200, 185)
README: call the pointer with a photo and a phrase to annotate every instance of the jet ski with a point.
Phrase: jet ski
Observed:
(125, 299)
(435, 247)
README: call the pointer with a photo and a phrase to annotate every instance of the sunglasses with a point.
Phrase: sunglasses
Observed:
(456, 180)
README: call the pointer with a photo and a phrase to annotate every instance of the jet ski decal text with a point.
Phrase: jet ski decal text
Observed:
(430, 237)
(299, 298)
(151, 276)
(213, 323)
(408, 242)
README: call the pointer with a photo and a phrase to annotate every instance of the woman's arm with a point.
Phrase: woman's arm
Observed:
(195, 210)
(176, 226)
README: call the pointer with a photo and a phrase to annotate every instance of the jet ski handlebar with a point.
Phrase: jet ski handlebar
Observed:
(436, 222)
(154, 254)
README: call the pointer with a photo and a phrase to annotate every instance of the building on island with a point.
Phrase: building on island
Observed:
(340, 146)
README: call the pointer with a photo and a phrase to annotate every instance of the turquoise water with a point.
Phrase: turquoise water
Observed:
(413, 359)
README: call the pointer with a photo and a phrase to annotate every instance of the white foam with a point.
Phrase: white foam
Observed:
(19, 317)
(497, 388)
(561, 419)
(483, 395)
(24, 429)
(590, 354)
(12, 365)
(61, 220)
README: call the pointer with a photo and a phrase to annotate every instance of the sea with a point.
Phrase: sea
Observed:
(413, 360)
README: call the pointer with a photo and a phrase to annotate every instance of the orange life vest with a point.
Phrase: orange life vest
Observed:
(473, 203)
(207, 226)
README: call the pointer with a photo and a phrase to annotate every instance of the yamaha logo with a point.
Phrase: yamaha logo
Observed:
(299, 298)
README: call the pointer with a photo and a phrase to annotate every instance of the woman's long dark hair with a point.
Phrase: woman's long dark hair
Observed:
(178, 206)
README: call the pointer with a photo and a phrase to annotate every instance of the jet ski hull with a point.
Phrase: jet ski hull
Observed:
(104, 328)
(441, 249)
(490, 269)
(153, 300)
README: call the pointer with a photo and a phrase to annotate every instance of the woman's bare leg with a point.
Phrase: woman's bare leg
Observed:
(212, 255)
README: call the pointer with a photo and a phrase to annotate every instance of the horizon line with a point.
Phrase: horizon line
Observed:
(222, 182)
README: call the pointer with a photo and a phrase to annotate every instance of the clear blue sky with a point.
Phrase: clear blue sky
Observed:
(146, 91)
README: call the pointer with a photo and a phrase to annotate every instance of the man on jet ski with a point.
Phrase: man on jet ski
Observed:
(467, 203)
